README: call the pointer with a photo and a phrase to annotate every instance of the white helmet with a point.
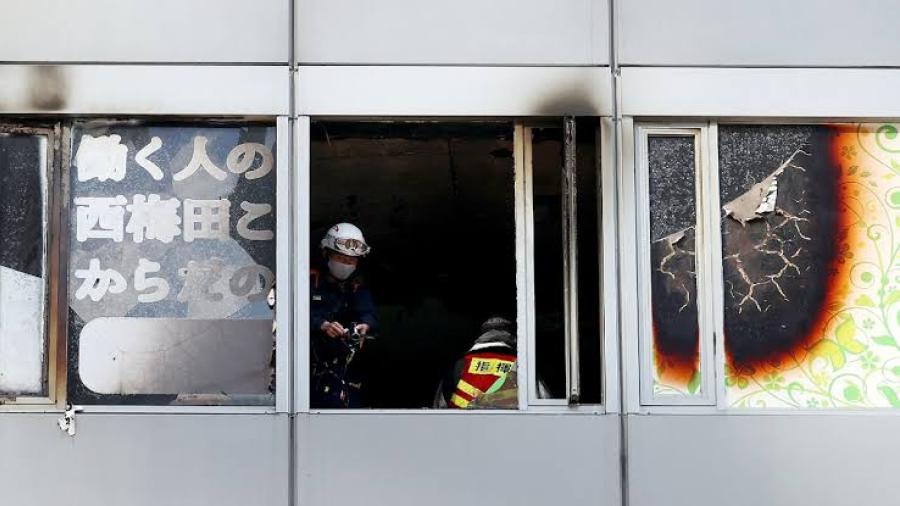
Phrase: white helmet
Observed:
(347, 239)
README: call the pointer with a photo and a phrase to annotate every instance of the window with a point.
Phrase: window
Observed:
(795, 264)
(564, 232)
(676, 338)
(448, 212)
(27, 338)
(809, 248)
(139, 257)
(171, 258)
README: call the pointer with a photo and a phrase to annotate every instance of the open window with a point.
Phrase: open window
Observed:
(481, 255)
(435, 202)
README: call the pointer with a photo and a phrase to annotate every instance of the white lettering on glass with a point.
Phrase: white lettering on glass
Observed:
(96, 281)
(206, 219)
(100, 218)
(254, 211)
(101, 158)
(142, 283)
(153, 218)
(141, 158)
(200, 160)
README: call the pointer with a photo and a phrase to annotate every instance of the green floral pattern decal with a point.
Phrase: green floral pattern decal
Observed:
(852, 359)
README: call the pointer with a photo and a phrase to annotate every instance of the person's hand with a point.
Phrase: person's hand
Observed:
(362, 329)
(333, 329)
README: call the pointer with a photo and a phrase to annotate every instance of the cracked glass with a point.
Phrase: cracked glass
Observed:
(811, 265)
(23, 287)
(673, 222)
(171, 260)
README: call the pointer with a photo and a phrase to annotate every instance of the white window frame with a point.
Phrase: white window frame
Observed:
(706, 240)
(528, 403)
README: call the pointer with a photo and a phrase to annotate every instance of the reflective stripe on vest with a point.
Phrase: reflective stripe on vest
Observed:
(482, 372)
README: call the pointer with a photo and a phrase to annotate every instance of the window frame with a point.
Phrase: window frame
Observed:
(54, 284)
(59, 211)
(707, 239)
(524, 270)
(630, 213)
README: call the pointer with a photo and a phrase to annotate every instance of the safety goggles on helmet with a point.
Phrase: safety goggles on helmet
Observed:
(347, 239)
(352, 247)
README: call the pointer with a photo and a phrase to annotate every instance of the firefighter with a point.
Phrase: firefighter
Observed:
(342, 316)
(486, 376)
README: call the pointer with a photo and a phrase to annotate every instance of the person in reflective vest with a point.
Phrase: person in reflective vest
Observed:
(342, 317)
(485, 378)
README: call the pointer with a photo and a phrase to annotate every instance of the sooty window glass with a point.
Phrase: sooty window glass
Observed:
(171, 259)
(546, 151)
(673, 223)
(811, 265)
(24, 170)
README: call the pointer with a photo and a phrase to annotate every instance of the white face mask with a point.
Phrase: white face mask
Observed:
(339, 270)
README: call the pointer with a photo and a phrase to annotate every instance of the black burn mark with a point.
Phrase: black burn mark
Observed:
(674, 294)
(47, 88)
(572, 99)
(782, 321)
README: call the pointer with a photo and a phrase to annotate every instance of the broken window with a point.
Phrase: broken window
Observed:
(805, 278)
(558, 194)
(810, 242)
(675, 336)
(435, 203)
(25, 160)
(171, 260)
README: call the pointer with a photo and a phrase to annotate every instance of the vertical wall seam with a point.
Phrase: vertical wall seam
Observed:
(617, 160)
(292, 108)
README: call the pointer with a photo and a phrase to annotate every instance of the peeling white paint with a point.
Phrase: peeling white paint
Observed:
(761, 198)
(768, 203)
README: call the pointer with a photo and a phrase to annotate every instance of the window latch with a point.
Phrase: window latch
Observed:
(67, 421)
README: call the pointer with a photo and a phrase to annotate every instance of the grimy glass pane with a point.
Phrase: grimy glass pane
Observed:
(23, 228)
(590, 310)
(673, 279)
(434, 202)
(549, 277)
(171, 258)
(811, 265)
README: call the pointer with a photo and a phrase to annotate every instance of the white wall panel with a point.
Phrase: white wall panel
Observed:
(761, 32)
(145, 89)
(775, 460)
(145, 460)
(663, 91)
(454, 459)
(465, 32)
(453, 91)
(147, 31)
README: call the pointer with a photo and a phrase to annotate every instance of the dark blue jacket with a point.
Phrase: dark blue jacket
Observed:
(346, 302)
